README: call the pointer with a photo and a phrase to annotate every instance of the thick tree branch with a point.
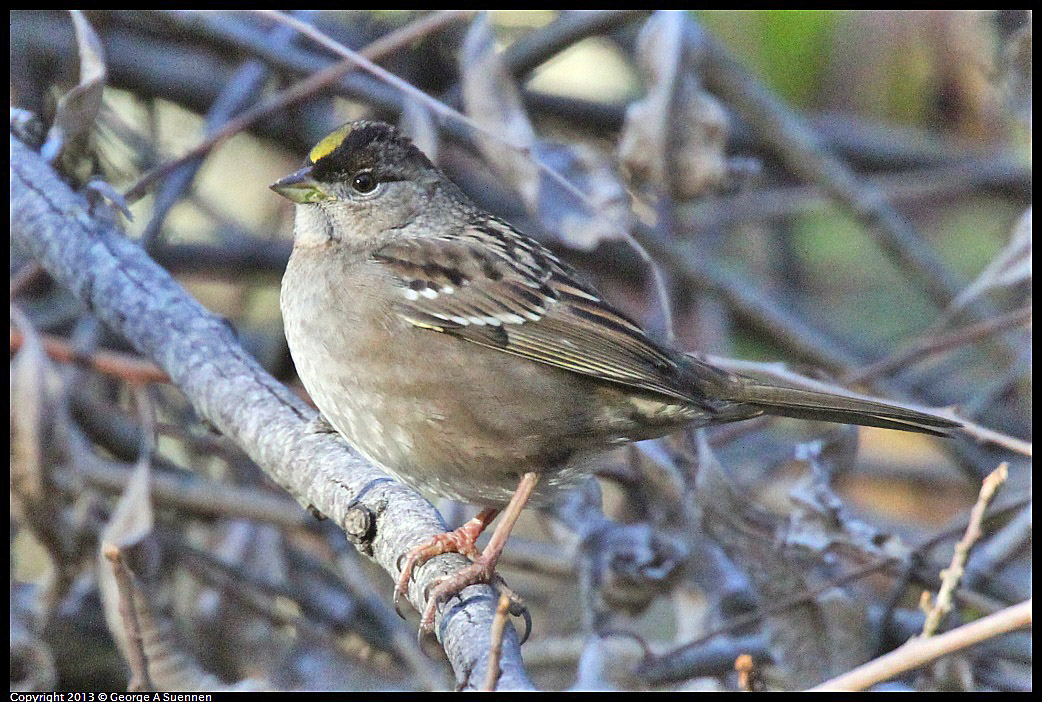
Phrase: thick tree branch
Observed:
(138, 299)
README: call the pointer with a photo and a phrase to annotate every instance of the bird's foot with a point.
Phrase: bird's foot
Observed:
(482, 570)
(462, 540)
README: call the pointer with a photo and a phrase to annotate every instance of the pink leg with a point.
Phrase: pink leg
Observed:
(483, 569)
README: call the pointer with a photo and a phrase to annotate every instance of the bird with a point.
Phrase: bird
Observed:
(469, 361)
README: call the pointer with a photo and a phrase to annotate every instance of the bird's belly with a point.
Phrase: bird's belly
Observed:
(466, 426)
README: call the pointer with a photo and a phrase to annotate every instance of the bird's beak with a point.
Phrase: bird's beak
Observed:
(299, 187)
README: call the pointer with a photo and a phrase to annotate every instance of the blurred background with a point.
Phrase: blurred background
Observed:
(847, 193)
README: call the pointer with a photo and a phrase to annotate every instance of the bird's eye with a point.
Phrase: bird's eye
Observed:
(364, 182)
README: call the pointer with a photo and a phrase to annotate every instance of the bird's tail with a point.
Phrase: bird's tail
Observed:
(830, 407)
(751, 397)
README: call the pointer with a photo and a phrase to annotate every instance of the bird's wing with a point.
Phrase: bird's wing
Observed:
(490, 285)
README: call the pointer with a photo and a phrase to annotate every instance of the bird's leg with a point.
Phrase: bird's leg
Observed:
(483, 569)
(462, 540)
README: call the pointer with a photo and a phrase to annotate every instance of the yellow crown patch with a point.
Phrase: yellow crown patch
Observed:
(329, 143)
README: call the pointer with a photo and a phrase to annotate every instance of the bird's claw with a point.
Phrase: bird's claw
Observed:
(458, 541)
(518, 608)
(452, 584)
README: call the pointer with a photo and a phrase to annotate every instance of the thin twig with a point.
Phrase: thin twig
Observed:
(140, 680)
(196, 497)
(749, 678)
(919, 652)
(984, 435)
(951, 575)
(930, 345)
(361, 60)
(122, 365)
(254, 593)
(803, 151)
(936, 185)
(742, 620)
(498, 626)
(306, 88)
(735, 623)
(241, 90)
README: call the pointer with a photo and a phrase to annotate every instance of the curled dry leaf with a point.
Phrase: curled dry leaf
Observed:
(40, 451)
(38, 408)
(98, 189)
(581, 223)
(633, 564)
(32, 417)
(78, 109)
(819, 524)
(132, 521)
(492, 100)
(673, 140)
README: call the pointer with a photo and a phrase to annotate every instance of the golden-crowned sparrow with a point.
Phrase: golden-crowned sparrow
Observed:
(466, 359)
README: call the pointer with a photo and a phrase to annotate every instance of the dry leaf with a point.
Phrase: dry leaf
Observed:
(674, 139)
(78, 109)
(38, 410)
(128, 543)
(595, 208)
